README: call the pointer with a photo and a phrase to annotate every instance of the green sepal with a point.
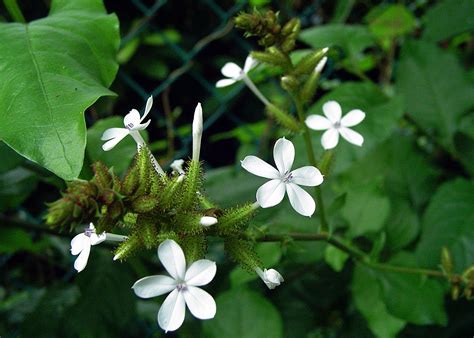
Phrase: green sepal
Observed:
(309, 88)
(144, 204)
(130, 181)
(242, 252)
(273, 56)
(234, 220)
(102, 176)
(171, 191)
(308, 63)
(192, 184)
(188, 224)
(194, 247)
(129, 247)
(147, 232)
(283, 118)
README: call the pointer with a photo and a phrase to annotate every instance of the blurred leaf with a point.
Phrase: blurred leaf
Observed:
(414, 298)
(402, 225)
(153, 68)
(121, 156)
(65, 62)
(244, 313)
(335, 257)
(393, 21)
(464, 143)
(12, 240)
(367, 295)
(352, 39)
(366, 210)
(162, 38)
(10, 158)
(382, 114)
(245, 133)
(448, 221)
(15, 186)
(127, 51)
(434, 87)
(342, 10)
(448, 18)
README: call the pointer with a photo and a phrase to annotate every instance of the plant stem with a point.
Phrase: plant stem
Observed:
(312, 161)
(14, 10)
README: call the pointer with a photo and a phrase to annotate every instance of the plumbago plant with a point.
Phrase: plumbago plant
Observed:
(346, 161)
(170, 212)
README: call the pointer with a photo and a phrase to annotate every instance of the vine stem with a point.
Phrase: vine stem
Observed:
(356, 253)
(312, 161)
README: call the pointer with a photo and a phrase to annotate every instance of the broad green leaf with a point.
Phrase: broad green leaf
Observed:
(366, 210)
(15, 186)
(435, 88)
(52, 70)
(121, 156)
(352, 39)
(393, 21)
(13, 239)
(244, 313)
(402, 225)
(335, 257)
(448, 221)
(367, 295)
(414, 298)
(464, 143)
(448, 18)
(382, 114)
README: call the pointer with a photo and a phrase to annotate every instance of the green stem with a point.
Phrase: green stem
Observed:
(312, 161)
(14, 10)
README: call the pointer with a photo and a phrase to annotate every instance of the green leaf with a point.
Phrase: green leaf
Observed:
(244, 313)
(353, 39)
(393, 21)
(335, 257)
(435, 88)
(15, 186)
(12, 240)
(448, 221)
(382, 114)
(53, 69)
(367, 295)
(414, 298)
(447, 19)
(121, 156)
(366, 210)
(402, 226)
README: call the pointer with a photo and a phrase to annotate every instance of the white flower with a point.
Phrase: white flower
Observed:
(234, 73)
(271, 278)
(335, 125)
(133, 124)
(272, 192)
(81, 245)
(197, 131)
(183, 285)
(177, 166)
(208, 221)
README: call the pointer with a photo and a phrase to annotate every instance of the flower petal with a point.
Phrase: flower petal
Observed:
(113, 133)
(149, 104)
(352, 136)
(77, 244)
(300, 200)
(81, 260)
(271, 193)
(97, 239)
(352, 118)
(259, 167)
(330, 138)
(318, 122)
(201, 272)
(113, 142)
(284, 155)
(140, 126)
(231, 70)
(200, 303)
(172, 257)
(133, 118)
(309, 176)
(225, 83)
(333, 111)
(250, 62)
(171, 314)
(153, 286)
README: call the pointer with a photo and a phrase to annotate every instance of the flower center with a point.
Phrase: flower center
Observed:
(129, 126)
(287, 177)
(181, 286)
(337, 125)
(88, 232)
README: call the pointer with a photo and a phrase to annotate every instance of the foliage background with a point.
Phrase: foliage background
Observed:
(401, 197)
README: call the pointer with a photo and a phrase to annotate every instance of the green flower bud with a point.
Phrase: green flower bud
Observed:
(283, 118)
(290, 83)
(192, 184)
(235, 220)
(128, 248)
(102, 176)
(144, 204)
(242, 252)
(308, 63)
(291, 27)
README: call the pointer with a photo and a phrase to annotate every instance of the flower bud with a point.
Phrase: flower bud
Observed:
(208, 221)
(177, 166)
(271, 278)
(197, 132)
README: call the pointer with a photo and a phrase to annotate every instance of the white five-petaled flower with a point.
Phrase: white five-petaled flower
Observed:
(81, 245)
(133, 124)
(271, 277)
(183, 285)
(235, 73)
(335, 125)
(273, 192)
